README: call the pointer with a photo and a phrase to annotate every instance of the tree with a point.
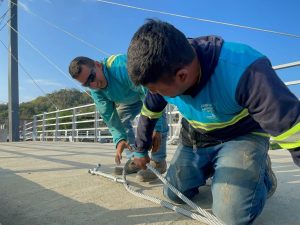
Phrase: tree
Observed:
(64, 98)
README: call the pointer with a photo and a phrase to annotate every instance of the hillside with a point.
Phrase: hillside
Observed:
(64, 98)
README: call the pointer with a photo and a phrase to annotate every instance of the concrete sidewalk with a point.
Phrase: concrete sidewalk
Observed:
(47, 183)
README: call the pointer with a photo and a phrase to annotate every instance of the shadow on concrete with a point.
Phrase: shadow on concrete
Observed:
(24, 202)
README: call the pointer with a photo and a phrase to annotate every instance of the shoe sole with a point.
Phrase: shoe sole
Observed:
(119, 171)
(141, 178)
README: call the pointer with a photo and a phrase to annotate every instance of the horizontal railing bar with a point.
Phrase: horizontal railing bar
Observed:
(82, 114)
(81, 136)
(80, 129)
(62, 117)
(292, 82)
(88, 117)
(68, 109)
(287, 65)
(52, 118)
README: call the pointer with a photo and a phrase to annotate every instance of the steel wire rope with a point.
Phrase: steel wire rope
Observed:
(65, 31)
(7, 22)
(48, 59)
(201, 19)
(28, 74)
(150, 10)
(209, 21)
(203, 216)
(4, 14)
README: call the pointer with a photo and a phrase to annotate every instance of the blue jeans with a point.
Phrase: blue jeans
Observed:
(240, 183)
(127, 114)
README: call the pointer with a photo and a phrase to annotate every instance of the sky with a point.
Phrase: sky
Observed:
(108, 29)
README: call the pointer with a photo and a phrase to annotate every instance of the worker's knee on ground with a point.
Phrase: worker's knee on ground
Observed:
(234, 210)
(230, 216)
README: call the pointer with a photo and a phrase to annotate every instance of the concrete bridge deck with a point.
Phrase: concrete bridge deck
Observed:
(47, 183)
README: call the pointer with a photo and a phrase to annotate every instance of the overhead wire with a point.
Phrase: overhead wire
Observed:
(21, 66)
(19, 63)
(154, 11)
(66, 32)
(201, 19)
(7, 22)
(4, 14)
(48, 59)
(211, 21)
(28, 74)
(3, 17)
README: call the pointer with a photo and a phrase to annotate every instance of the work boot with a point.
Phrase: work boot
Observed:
(271, 176)
(147, 175)
(131, 168)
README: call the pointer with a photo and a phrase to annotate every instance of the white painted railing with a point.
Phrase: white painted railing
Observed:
(83, 123)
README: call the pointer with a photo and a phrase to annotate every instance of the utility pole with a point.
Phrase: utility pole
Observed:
(13, 80)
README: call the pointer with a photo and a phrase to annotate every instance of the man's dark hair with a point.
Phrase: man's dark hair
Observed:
(156, 52)
(75, 65)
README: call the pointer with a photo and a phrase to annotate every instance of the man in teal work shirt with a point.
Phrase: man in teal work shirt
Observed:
(119, 101)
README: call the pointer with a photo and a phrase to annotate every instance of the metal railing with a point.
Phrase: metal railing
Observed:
(83, 123)
(3, 130)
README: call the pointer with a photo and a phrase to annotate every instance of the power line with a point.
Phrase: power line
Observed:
(48, 59)
(67, 32)
(143, 9)
(201, 19)
(7, 22)
(4, 14)
(23, 68)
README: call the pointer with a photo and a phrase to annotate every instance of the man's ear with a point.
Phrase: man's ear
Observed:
(97, 64)
(181, 75)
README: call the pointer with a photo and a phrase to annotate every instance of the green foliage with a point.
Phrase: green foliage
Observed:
(3, 112)
(64, 98)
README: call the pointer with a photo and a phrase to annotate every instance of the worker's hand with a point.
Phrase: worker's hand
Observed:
(141, 162)
(120, 148)
(296, 156)
(156, 141)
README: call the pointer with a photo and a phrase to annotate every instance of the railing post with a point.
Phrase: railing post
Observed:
(56, 125)
(99, 135)
(34, 128)
(96, 125)
(24, 130)
(73, 124)
(169, 121)
(44, 127)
